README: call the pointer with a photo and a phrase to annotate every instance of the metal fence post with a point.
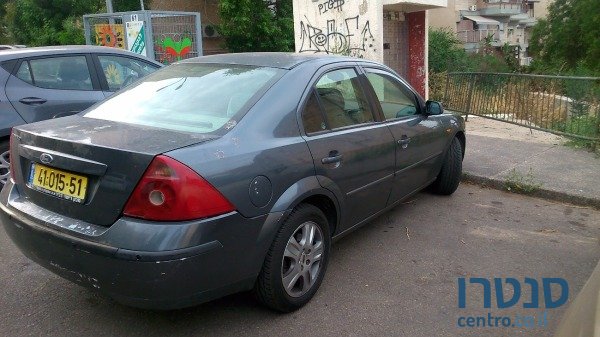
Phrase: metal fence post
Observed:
(150, 51)
(198, 21)
(470, 96)
(446, 89)
(596, 145)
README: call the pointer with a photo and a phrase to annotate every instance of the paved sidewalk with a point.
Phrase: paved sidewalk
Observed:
(498, 152)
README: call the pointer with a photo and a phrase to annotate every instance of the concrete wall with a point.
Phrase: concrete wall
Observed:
(356, 28)
(446, 17)
(541, 8)
(416, 5)
(347, 27)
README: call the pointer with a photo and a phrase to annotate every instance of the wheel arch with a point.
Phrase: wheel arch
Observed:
(309, 191)
(327, 206)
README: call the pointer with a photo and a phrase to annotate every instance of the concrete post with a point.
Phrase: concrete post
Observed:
(109, 6)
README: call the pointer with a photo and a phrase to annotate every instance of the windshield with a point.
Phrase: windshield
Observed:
(192, 97)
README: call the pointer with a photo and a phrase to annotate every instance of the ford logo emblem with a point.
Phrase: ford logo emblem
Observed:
(46, 158)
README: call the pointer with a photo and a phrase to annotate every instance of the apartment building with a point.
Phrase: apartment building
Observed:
(497, 22)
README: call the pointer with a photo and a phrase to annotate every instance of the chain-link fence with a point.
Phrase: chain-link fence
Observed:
(562, 105)
(166, 37)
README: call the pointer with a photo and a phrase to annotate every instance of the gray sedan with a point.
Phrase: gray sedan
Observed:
(50, 82)
(222, 174)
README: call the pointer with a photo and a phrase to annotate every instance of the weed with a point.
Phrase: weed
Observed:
(521, 183)
(589, 145)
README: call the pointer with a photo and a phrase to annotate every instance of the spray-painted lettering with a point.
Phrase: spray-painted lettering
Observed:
(328, 5)
(350, 37)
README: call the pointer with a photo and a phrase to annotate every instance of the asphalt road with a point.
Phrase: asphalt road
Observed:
(395, 277)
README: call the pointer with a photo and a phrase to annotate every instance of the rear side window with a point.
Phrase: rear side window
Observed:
(312, 117)
(192, 97)
(121, 71)
(24, 73)
(343, 99)
(64, 73)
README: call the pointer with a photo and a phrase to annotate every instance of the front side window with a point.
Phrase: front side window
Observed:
(64, 73)
(121, 71)
(192, 97)
(396, 101)
(343, 99)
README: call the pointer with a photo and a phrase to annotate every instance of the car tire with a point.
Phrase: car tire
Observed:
(292, 259)
(4, 164)
(451, 172)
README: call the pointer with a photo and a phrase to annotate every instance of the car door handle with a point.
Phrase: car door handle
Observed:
(403, 141)
(333, 158)
(32, 100)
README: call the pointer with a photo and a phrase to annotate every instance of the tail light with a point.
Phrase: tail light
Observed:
(171, 191)
(11, 148)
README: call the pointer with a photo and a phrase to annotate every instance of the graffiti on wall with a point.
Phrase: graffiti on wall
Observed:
(170, 49)
(351, 37)
(108, 35)
(329, 5)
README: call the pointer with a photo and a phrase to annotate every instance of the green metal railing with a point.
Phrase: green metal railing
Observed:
(562, 105)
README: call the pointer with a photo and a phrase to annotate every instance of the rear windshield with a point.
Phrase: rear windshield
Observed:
(199, 98)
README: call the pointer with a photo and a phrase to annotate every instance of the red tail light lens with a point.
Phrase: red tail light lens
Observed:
(171, 191)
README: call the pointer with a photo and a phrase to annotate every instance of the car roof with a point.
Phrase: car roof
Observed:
(11, 54)
(267, 59)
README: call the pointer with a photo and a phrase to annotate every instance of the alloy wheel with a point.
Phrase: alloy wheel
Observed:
(302, 259)
(4, 168)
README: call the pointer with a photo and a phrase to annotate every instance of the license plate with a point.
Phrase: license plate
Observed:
(58, 183)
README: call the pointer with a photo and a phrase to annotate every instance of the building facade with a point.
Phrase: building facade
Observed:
(393, 32)
(494, 22)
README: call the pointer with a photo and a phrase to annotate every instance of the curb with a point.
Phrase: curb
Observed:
(538, 193)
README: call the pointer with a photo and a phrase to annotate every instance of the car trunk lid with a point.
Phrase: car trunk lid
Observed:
(97, 162)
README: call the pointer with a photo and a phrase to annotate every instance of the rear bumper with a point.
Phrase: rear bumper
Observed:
(221, 256)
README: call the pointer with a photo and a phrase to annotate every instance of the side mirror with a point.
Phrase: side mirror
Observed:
(434, 108)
